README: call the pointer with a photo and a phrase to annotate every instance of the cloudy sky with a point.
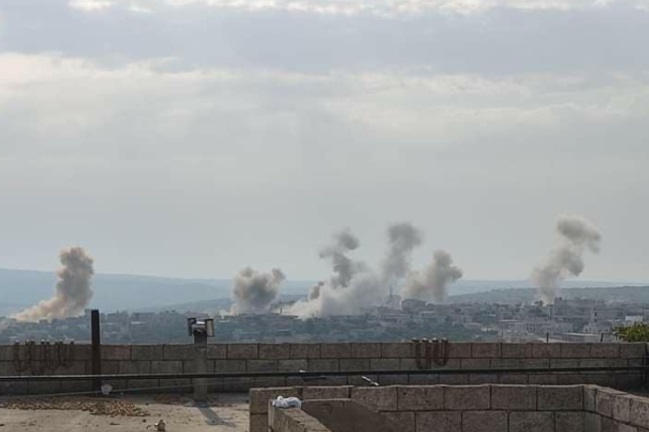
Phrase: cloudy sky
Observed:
(193, 137)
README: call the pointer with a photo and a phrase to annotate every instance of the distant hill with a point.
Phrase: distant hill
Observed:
(630, 294)
(22, 288)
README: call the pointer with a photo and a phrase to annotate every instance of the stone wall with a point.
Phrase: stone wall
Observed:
(336, 357)
(482, 408)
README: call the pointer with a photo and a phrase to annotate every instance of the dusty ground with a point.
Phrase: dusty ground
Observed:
(227, 413)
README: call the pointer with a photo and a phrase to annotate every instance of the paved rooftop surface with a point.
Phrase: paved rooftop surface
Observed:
(125, 413)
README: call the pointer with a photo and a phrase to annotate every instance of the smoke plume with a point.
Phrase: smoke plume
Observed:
(576, 236)
(403, 238)
(431, 283)
(73, 290)
(314, 293)
(254, 292)
(343, 267)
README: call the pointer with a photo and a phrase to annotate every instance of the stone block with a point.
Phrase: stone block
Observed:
(481, 421)
(78, 367)
(474, 363)
(79, 351)
(483, 379)
(397, 350)
(487, 350)
(217, 351)
(405, 420)
(238, 384)
(134, 367)
(428, 379)
(501, 363)
(467, 398)
(513, 378)
(590, 391)
(175, 385)
(295, 365)
(384, 364)
(569, 421)
(420, 398)
(348, 365)
(543, 379)
(459, 350)
(605, 350)
(179, 352)
(167, 367)
(639, 412)
(538, 363)
(604, 402)
(261, 366)
(632, 350)
(243, 351)
(569, 378)
(389, 380)
(592, 363)
(259, 423)
(621, 407)
(516, 350)
(592, 422)
(323, 365)
(274, 351)
(189, 366)
(600, 379)
(300, 351)
(337, 392)
(408, 365)
(575, 350)
(608, 424)
(513, 397)
(628, 381)
(116, 352)
(335, 350)
(560, 398)
(621, 427)
(365, 350)
(564, 363)
(259, 397)
(546, 350)
(378, 398)
(455, 379)
(108, 367)
(229, 366)
(146, 352)
(438, 421)
(531, 421)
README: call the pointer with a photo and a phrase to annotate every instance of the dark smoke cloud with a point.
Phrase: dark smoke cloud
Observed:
(73, 290)
(343, 267)
(431, 283)
(314, 293)
(576, 236)
(255, 292)
(403, 238)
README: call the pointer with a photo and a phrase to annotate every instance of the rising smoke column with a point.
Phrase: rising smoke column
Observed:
(431, 283)
(403, 238)
(73, 290)
(254, 292)
(314, 293)
(343, 267)
(576, 235)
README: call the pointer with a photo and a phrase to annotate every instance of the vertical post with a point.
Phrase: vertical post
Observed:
(96, 347)
(200, 361)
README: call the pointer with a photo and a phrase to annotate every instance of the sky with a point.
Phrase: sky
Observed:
(191, 138)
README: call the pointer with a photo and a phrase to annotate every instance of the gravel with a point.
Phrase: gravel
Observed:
(95, 406)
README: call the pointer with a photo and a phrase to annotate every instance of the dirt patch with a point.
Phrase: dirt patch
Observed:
(95, 406)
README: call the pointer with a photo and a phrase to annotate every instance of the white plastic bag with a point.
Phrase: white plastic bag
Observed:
(291, 402)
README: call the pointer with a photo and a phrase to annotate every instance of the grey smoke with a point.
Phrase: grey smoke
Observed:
(344, 267)
(73, 289)
(403, 238)
(431, 283)
(576, 236)
(314, 293)
(254, 292)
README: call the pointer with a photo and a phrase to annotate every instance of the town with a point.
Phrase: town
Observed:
(568, 320)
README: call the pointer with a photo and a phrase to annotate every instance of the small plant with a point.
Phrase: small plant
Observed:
(638, 332)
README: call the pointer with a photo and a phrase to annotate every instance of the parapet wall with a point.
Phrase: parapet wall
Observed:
(481, 408)
(330, 357)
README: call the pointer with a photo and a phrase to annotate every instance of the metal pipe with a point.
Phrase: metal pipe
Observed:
(310, 374)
